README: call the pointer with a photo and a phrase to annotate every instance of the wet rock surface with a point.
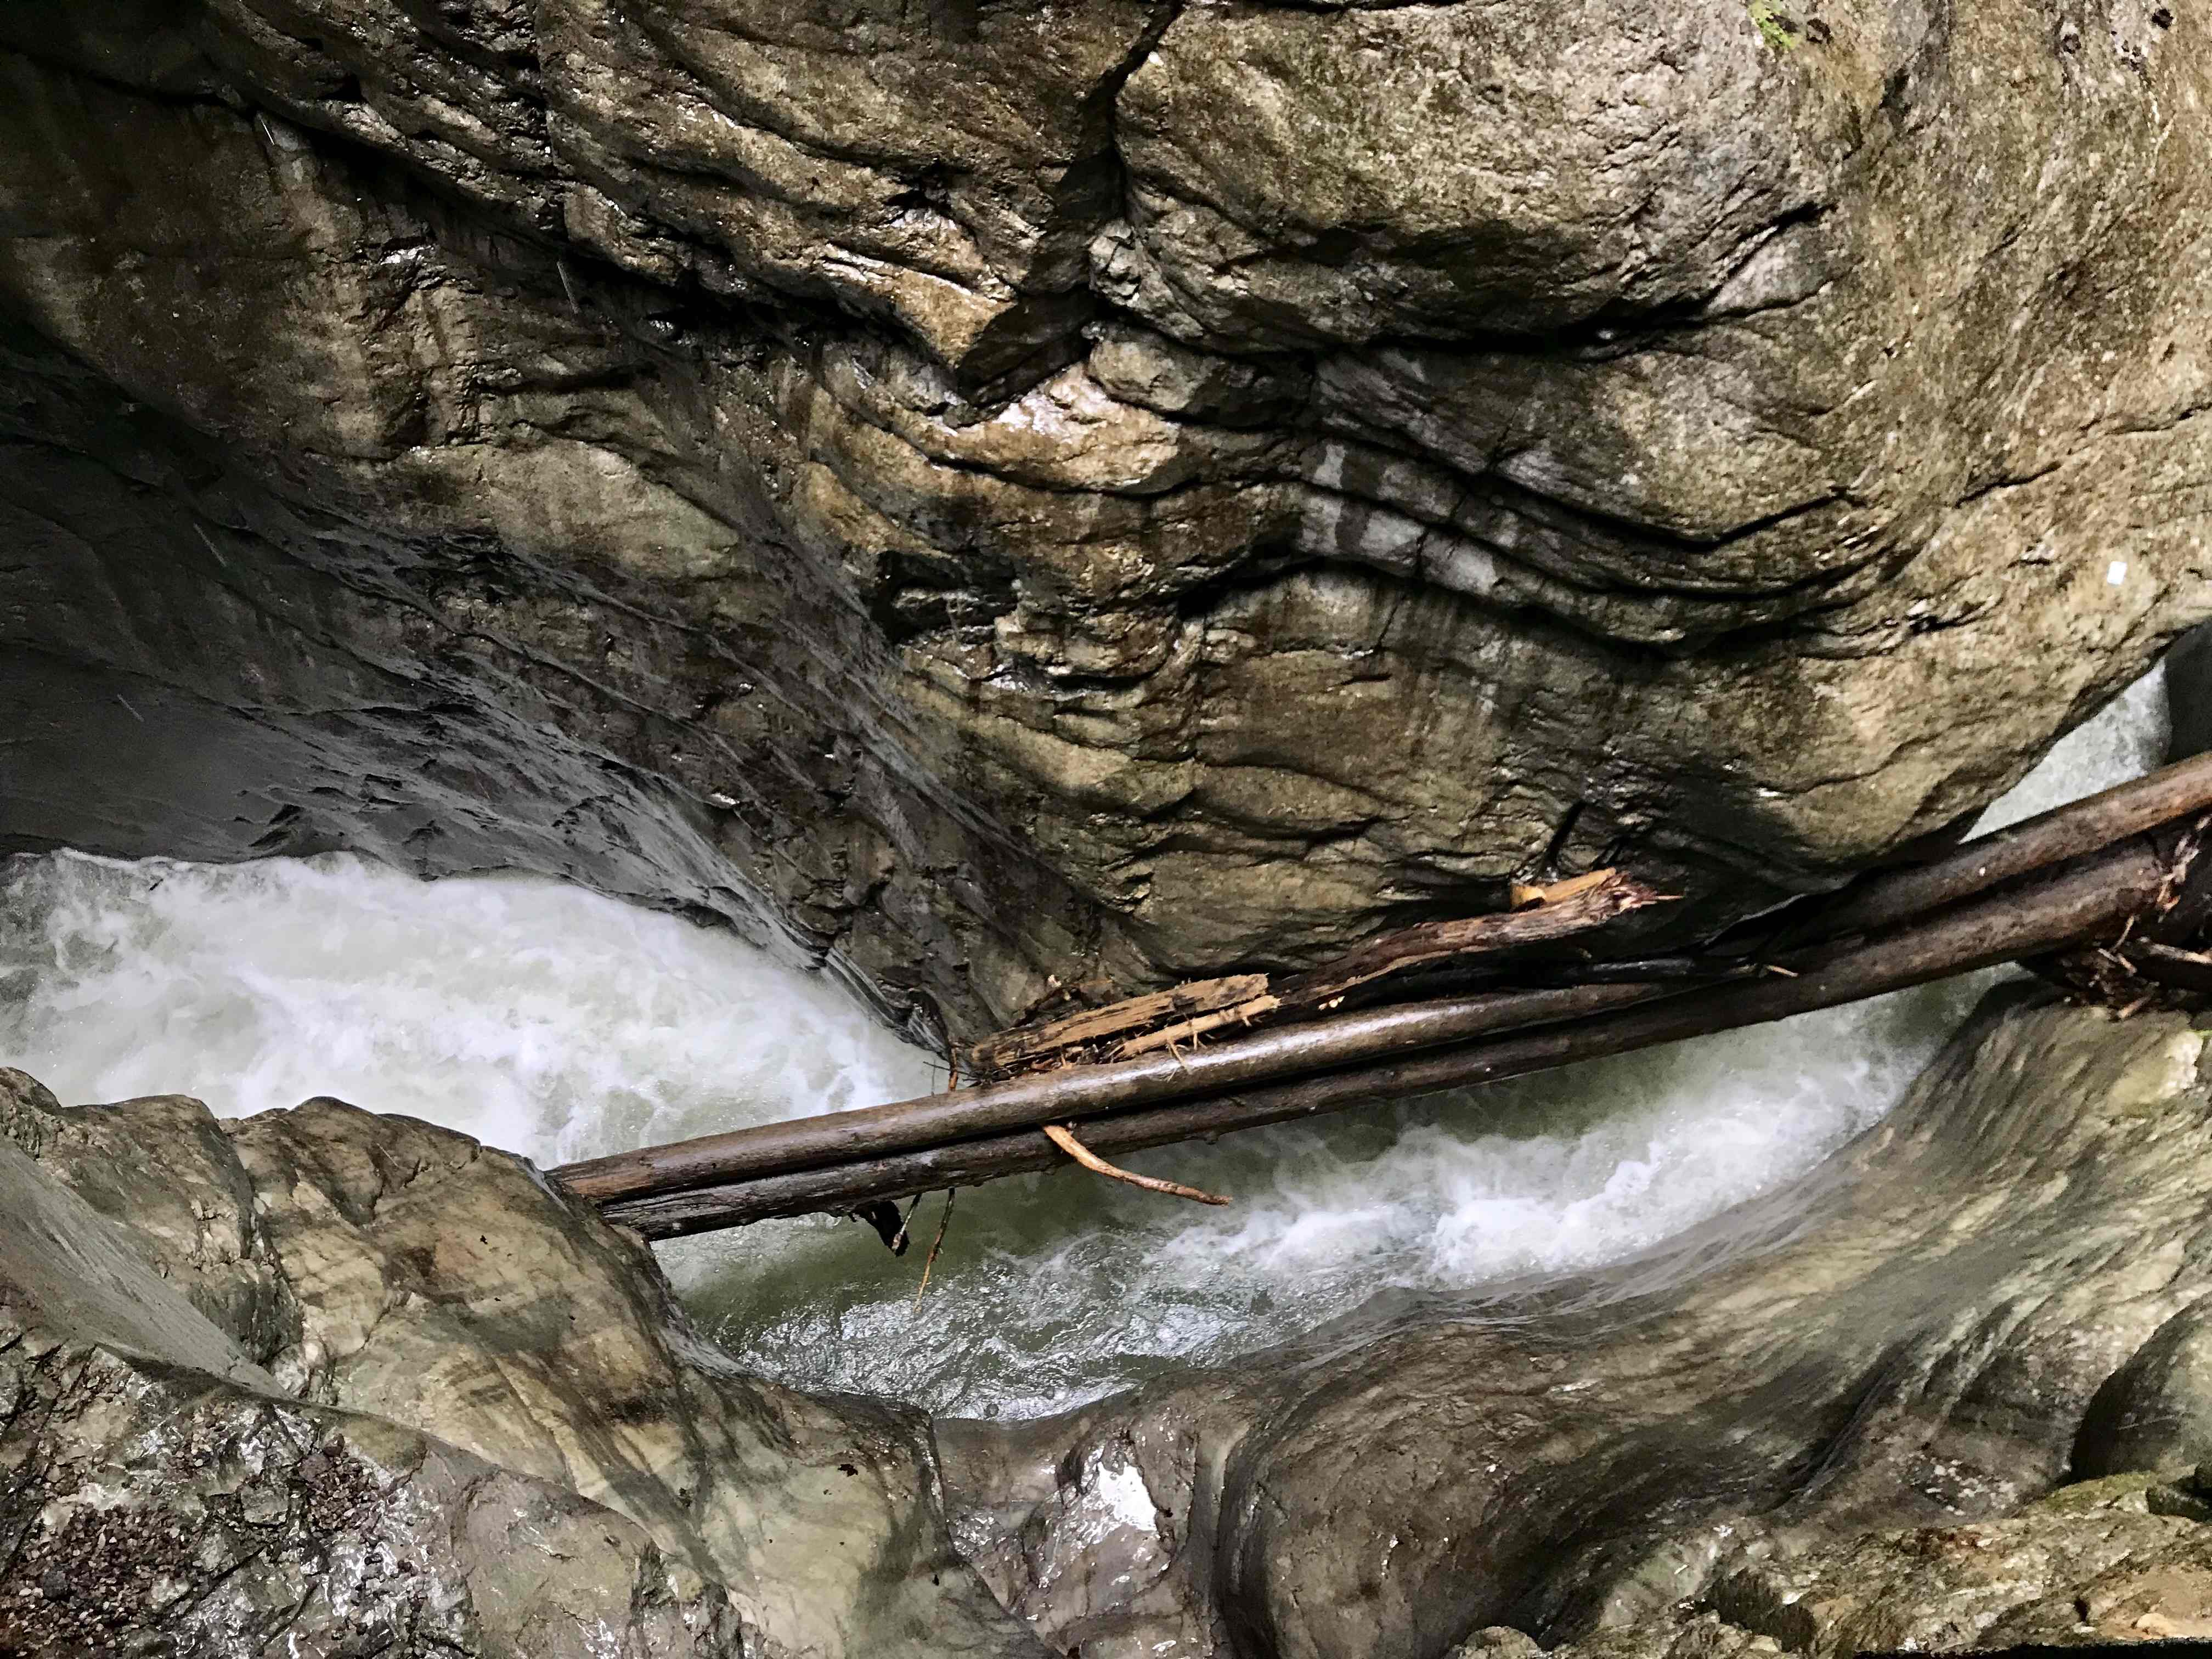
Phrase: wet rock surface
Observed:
(263, 1375)
(1010, 491)
(1968, 1308)
(2105, 1563)
(304, 1299)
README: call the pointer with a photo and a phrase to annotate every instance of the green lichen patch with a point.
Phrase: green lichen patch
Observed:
(1776, 26)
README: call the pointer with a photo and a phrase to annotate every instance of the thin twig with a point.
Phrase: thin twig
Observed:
(1089, 1160)
(937, 1244)
(898, 1243)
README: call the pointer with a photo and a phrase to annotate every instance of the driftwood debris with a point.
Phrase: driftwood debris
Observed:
(2068, 908)
(1056, 1040)
(1179, 1016)
(2098, 884)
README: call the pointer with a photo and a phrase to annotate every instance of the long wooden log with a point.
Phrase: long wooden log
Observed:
(1884, 898)
(2088, 898)
(1079, 1093)
(1880, 902)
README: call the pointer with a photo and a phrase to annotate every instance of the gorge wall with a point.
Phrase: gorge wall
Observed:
(1015, 491)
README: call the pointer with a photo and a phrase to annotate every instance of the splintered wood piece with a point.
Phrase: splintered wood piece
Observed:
(1171, 1036)
(1594, 899)
(1522, 894)
(1010, 1048)
(1089, 1160)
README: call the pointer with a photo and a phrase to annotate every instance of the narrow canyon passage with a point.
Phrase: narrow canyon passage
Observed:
(552, 1021)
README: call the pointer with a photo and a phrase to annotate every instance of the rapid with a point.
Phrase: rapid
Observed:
(560, 1024)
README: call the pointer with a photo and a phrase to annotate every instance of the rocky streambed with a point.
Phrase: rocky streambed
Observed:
(357, 1383)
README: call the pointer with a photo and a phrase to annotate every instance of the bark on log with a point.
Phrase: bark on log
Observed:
(2088, 898)
(1079, 1093)
(1885, 898)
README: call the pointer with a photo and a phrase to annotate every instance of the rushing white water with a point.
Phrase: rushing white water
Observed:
(559, 1024)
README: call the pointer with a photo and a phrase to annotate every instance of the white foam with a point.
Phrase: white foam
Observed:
(560, 1024)
(533, 1015)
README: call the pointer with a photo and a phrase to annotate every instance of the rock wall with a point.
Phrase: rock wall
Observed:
(1013, 490)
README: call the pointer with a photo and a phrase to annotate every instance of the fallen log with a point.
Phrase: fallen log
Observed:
(1140, 1024)
(1884, 898)
(2085, 900)
(1080, 1092)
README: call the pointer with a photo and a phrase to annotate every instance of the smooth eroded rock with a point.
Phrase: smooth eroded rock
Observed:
(385, 1281)
(1912, 1338)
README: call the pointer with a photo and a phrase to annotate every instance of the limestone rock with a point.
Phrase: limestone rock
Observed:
(159, 1492)
(1107, 492)
(1738, 1425)
(2091, 1565)
(153, 1508)
(2155, 1412)
(375, 1276)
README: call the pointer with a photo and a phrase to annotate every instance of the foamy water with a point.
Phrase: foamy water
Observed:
(561, 1025)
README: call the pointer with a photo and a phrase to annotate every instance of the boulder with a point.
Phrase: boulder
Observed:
(471, 1354)
(161, 1488)
(1013, 493)
(2155, 1412)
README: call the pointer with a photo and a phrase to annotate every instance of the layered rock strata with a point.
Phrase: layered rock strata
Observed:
(1016, 491)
